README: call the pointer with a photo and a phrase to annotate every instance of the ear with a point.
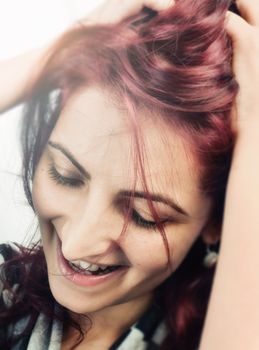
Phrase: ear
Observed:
(211, 233)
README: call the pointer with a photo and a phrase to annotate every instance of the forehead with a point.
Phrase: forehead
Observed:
(98, 133)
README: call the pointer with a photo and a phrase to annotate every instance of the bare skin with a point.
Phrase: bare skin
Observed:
(88, 217)
(19, 74)
(233, 317)
(233, 314)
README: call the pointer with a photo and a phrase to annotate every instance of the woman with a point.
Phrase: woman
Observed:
(128, 139)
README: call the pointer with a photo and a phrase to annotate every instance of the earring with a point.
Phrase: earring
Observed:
(210, 258)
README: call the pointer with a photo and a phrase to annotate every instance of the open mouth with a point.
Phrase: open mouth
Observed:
(95, 270)
(86, 274)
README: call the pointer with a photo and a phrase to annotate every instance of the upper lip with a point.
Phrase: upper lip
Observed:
(88, 261)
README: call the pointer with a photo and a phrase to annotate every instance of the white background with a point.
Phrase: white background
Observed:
(25, 25)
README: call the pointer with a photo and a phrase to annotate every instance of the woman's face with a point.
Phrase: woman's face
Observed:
(81, 192)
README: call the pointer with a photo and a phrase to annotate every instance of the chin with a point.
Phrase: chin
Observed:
(73, 300)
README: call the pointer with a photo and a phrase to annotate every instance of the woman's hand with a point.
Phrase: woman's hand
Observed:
(19, 74)
(113, 11)
(244, 32)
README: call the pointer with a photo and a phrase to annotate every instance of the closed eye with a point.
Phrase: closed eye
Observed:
(64, 180)
(78, 183)
(140, 221)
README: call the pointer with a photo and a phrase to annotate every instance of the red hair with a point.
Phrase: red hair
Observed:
(178, 65)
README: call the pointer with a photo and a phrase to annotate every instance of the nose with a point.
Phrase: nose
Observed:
(91, 234)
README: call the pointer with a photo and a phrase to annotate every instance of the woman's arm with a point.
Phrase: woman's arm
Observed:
(232, 320)
(18, 74)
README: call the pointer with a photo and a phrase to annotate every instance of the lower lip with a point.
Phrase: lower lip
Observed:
(80, 279)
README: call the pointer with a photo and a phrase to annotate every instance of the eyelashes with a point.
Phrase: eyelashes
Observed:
(140, 221)
(63, 180)
(70, 182)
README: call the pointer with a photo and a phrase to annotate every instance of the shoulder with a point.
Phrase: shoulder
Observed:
(16, 323)
(9, 277)
(8, 251)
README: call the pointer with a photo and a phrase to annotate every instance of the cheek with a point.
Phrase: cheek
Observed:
(49, 200)
(43, 204)
(145, 250)
(46, 199)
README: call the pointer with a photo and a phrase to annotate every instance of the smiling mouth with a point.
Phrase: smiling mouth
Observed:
(96, 272)
(88, 278)
(91, 269)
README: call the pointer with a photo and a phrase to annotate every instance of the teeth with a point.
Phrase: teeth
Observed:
(82, 264)
(86, 266)
(93, 268)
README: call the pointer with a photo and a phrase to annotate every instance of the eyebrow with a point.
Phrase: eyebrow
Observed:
(155, 198)
(72, 159)
(137, 194)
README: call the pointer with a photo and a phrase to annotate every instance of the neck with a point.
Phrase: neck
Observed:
(110, 322)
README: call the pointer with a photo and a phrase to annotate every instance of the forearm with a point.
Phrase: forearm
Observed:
(233, 315)
(18, 75)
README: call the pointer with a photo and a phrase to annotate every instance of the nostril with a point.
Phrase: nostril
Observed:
(108, 253)
(61, 249)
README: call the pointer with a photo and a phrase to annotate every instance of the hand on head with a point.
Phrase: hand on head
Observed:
(244, 32)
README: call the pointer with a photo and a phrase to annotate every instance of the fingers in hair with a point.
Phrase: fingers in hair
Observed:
(238, 28)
